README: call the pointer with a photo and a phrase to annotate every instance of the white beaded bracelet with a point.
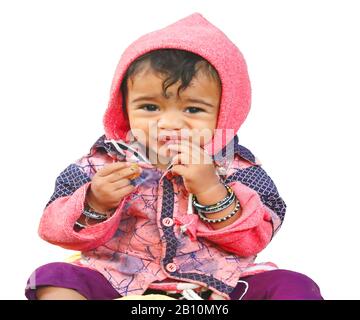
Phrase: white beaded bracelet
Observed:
(79, 225)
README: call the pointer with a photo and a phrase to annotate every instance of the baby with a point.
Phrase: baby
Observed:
(167, 201)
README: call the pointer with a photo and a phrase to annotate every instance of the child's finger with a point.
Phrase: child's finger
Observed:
(124, 191)
(112, 167)
(120, 184)
(194, 155)
(128, 172)
(181, 158)
(179, 169)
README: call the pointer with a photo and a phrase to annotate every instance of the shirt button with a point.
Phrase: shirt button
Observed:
(167, 222)
(171, 267)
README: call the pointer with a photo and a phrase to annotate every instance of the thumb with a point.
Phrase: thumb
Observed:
(179, 169)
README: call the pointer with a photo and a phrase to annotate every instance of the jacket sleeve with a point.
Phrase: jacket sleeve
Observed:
(262, 214)
(66, 206)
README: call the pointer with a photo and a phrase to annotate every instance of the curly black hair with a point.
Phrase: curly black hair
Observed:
(175, 64)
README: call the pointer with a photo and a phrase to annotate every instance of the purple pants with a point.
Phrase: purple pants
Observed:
(269, 285)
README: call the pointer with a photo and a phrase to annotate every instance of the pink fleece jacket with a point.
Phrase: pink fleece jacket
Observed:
(152, 237)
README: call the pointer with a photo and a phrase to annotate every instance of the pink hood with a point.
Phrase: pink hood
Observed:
(193, 33)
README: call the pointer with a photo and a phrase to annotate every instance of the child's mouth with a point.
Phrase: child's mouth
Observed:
(169, 140)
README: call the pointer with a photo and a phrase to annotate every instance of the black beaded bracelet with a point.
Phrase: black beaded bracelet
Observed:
(223, 204)
(209, 210)
(89, 213)
(232, 213)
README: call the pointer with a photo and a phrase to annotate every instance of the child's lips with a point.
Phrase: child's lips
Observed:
(170, 140)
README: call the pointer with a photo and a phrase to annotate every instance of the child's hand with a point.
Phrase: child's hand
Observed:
(110, 185)
(195, 166)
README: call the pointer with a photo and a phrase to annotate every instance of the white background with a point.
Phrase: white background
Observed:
(57, 60)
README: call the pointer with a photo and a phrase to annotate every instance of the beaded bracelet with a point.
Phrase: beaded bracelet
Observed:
(89, 213)
(79, 225)
(200, 206)
(87, 224)
(232, 213)
(219, 206)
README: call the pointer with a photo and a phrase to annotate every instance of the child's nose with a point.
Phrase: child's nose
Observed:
(171, 120)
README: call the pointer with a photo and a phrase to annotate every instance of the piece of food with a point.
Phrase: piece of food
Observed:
(134, 167)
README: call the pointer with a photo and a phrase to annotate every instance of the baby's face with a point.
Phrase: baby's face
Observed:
(156, 120)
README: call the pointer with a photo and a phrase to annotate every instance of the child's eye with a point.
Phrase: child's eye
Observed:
(149, 107)
(194, 109)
